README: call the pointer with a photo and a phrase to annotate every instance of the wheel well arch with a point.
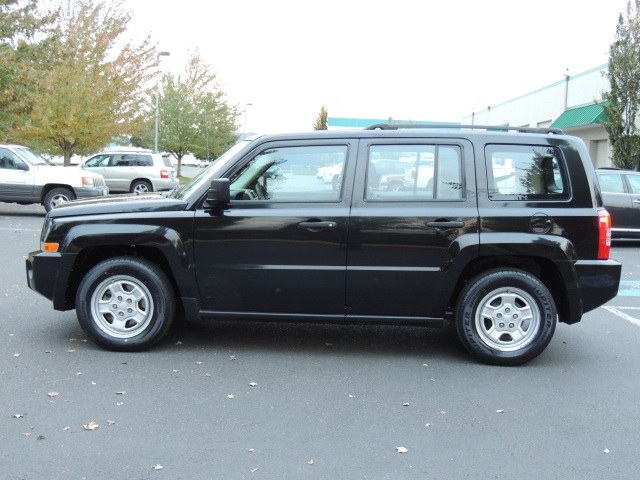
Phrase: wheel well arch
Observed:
(142, 179)
(50, 186)
(542, 268)
(91, 256)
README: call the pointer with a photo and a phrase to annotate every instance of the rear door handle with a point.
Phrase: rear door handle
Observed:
(317, 225)
(445, 224)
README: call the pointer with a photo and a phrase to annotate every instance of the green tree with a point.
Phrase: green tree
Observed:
(321, 122)
(621, 102)
(95, 88)
(23, 46)
(194, 114)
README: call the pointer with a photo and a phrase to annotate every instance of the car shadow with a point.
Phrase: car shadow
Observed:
(310, 338)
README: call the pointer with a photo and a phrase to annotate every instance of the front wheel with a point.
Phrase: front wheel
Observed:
(505, 317)
(125, 304)
(57, 196)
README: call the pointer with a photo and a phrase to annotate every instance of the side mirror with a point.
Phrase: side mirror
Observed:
(219, 194)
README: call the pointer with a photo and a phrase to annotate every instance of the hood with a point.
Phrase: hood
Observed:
(127, 203)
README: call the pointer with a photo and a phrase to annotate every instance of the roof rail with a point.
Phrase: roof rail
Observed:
(497, 128)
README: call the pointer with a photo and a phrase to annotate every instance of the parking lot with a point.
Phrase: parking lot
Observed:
(283, 401)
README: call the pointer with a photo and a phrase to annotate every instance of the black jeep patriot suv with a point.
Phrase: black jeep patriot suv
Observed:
(500, 229)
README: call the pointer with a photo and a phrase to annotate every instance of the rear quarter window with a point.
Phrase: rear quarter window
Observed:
(526, 172)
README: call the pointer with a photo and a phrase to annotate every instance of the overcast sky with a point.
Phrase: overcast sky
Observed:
(407, 59)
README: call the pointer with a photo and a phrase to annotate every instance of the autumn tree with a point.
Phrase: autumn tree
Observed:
(96, 86)
(622, 100)
(195, 116)
(321, 122)
(24, 45)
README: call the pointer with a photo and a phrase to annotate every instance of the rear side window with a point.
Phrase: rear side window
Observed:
(634, 183)
(414, 172)
(525, 172)
(145, 161)
(611, 183)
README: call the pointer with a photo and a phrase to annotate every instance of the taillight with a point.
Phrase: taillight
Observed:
(604, 234)
(164, 174)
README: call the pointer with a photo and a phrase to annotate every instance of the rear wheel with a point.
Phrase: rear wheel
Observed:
(505, 317)
(57, 196)
(141, 186)
(125, 304)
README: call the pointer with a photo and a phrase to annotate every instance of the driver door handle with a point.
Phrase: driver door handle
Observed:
(317, 225)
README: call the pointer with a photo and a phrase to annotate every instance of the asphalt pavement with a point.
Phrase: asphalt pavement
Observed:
(282, 401)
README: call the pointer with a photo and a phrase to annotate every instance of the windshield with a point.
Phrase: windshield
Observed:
(207, 174)
(34, 158)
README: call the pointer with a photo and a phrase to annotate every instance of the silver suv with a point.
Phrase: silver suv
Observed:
(134, 171)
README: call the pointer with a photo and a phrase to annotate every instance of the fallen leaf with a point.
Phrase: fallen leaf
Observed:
(19, 415)
(119, 404)
(178, 343)
(92, 425)
(606, 450)
(41, 437)
(198, 363)
(499, 411)
(53, 394)
(232, 357)
(231, 395)
(157, 467)
(405, 404)
(16, 355)
(310, 462)
(401, 450)
(253, 384)
(110, 422)
(328, 344)
(429, 425)
(121, 393)
(26, 434)
(255, 470)
(251, 450)
(66, 429)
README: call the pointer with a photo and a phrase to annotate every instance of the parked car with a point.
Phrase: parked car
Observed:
(236, 243)
(191, 161)
(133, 171)
(27, 178)
(621, 198)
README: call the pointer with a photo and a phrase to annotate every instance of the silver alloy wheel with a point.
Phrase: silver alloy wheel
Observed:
(58, 199)
(122, 306)
(507, 319)
(141, 187)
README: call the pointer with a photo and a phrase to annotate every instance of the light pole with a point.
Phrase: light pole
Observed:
(160, 54)
(244, 133)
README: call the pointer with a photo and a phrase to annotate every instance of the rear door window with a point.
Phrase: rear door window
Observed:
(414, 173)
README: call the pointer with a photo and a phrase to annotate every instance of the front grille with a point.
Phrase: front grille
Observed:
(98, 182)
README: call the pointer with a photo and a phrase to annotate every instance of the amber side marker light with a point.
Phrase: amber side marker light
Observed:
(51, 247)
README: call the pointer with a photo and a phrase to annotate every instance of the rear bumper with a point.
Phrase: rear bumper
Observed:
(598, 282)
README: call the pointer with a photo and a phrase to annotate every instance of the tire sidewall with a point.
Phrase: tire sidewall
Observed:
(469, 302)
(52, 193)
(161, 296)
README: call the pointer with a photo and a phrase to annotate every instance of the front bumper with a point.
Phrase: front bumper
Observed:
(48, 275)
(91, 192)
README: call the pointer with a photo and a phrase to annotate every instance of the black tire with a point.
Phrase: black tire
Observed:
(57, 196)
(125, 304)
(141, 186)
(489, 300)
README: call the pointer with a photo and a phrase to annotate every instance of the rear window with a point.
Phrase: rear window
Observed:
(611, 183)
(167, 161)
(525, 172)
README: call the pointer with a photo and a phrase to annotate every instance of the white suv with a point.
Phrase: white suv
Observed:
(26, 178)
(135, 171)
